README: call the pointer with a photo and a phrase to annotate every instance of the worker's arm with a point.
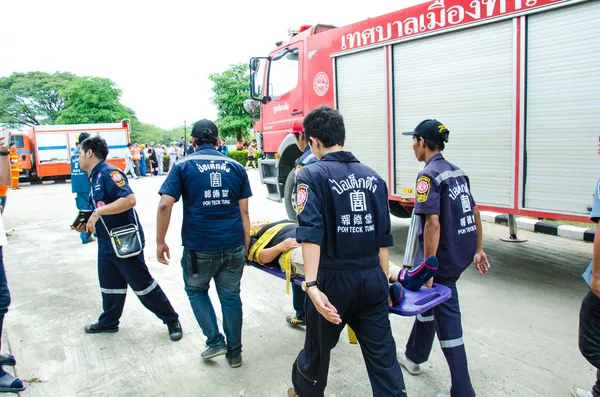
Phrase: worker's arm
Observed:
(384, 260)
(387, 239)
(595, 283)
(310, 234)
(431, 235)
(163, 218)
(480, 260)
(427, 206)
(268, 255)
(595, 217)
(243, 203)
(118, 206)
(170, 192)
(5, 175)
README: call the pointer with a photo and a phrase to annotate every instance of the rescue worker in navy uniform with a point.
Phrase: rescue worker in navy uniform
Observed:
(345, 231)
(215, 236)
(450, 228)
(307, 157)
(114, 201)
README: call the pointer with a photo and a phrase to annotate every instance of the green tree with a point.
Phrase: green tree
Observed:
(230, 89)
(93, 100)
(32, 98)
(146, 133)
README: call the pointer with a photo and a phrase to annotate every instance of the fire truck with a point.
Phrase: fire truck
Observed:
(517, 83)
(46, 150)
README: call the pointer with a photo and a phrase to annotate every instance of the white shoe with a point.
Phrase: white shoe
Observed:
(412, 368)
(577, 392)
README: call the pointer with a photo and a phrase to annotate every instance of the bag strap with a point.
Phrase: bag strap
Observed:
(102, 218)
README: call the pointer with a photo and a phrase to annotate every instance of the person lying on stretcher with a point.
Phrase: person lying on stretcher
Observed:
(274, 244)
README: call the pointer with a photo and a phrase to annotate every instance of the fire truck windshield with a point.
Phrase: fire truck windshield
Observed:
(283, 73)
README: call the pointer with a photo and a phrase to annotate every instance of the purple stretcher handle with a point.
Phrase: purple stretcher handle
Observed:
(414, 302)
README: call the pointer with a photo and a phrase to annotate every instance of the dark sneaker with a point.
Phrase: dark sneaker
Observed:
(175, 331)
(234, 362)
(213, 351)
(293, 320)
(97, 328)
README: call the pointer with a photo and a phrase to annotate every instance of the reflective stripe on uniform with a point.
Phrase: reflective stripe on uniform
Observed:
(147, 290)
(308, 158)
(114, 291)
(449, 174)
(424, 319)
(204, 157)
(448, 344)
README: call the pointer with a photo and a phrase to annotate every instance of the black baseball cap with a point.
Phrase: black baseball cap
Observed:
(204, 125)
(430, 129)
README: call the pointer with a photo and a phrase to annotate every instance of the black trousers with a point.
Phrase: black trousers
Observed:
(589, 334)
(360, 296)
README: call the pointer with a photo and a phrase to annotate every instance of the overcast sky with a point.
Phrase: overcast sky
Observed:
(159, 53)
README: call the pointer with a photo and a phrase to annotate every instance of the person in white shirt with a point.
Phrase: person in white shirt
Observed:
(159, 156)
(129, 167)
(8, 383)
(172, 152)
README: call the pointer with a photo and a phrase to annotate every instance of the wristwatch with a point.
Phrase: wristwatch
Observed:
(307, 284)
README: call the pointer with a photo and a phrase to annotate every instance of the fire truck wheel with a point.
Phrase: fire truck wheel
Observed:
(290, 197)
(399, 211)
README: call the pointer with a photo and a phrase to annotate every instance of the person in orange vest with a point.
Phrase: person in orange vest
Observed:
(3, 191)
(15, 164)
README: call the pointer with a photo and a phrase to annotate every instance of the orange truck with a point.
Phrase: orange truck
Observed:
(46, 150)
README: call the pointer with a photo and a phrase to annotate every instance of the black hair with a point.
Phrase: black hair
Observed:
(129, 144)
(82, 137)
(432, 145)
(325, 124)
(11, 145)
(98, 146)
(206, 137)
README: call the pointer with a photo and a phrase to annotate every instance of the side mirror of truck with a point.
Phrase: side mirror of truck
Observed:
(257, 66)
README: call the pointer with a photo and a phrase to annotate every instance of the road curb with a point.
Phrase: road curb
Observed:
(533, 225)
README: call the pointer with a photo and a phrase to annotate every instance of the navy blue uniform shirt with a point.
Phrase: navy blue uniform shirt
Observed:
(108, 185)
(342, 205)
(211, 185)
(443, 189)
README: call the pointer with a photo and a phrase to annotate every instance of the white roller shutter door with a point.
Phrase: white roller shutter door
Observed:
(563, 109)
(465, 80)
(361, 99)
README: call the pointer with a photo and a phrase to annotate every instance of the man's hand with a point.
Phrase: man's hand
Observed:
(79, 228)
(481, 262)
(90, 227)
(288, 244)
(429, 283)
(162, 253)
(595, 285)
(3, 147)
(323, 306)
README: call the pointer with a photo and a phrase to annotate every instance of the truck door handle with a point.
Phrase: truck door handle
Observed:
(296, 111)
